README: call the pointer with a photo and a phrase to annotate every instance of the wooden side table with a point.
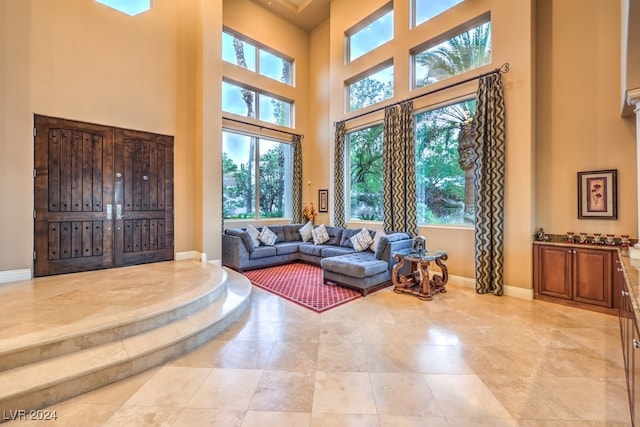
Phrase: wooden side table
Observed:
(418, 282)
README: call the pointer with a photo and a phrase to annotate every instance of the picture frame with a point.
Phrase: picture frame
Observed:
(323, 200)
(597, 194)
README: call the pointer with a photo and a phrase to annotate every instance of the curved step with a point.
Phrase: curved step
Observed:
(51, 380)
(64, 339)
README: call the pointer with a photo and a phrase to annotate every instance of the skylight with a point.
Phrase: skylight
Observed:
(130, 7)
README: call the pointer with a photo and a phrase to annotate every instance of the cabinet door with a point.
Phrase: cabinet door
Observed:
(554, 271)
(592, 277)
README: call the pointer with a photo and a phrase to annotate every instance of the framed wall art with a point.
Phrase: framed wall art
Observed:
(597, 198)
(323, 200)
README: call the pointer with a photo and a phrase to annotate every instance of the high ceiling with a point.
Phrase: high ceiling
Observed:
(306, 14)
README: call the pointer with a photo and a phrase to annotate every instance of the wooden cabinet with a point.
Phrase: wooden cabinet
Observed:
(630, 343)
(576, 275)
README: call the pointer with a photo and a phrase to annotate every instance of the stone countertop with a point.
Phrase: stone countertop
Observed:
(630, 267)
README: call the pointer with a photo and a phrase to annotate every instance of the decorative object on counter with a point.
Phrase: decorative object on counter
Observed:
(583, 237)
(570, 235)
(597, 238)
(540, 235)
(419, 245)
(611, 239)
(624, 240)
(597, 198)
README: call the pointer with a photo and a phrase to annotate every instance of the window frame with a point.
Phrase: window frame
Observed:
(262, 47)
(258, 93)
(365, 74)
(347, 184)
(483, 19)
(361, 25)
(432, 107)
(288, 190)
(414, 13)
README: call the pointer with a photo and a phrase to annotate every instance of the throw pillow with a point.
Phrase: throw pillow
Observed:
(305, 231)
(376, 240)
(254, 233)
(267, 237)
(362, 241)
(320, 235)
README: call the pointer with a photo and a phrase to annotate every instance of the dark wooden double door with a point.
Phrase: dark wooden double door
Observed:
(103, 197)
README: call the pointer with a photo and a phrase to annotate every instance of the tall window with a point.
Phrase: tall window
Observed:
(374, 31)
(365, 168)
(468, 50)
(423, 10)
(444, 164)
(375, 87)
(255, 104)
(257, 176)
(254, 57)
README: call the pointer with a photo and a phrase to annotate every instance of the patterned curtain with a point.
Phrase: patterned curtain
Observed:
(399, 184)
(296, 187)
(489, 185)
(339, 167)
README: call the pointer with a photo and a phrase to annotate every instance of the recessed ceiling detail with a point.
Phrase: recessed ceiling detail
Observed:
(130, 7)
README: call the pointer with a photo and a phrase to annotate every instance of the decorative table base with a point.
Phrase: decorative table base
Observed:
(418, 282)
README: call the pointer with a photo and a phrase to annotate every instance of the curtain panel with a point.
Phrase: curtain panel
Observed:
(339, 168)
(399, 183)
(489, 185)
(296, 188)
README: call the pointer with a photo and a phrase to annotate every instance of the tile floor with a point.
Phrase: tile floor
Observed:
(385, 360)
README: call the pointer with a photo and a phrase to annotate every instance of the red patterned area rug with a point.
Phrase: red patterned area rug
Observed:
(302, 284)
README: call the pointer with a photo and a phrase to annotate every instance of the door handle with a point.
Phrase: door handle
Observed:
(109, 211)
(119, 212)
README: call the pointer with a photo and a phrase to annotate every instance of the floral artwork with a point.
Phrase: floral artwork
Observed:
(309, 212)
(597, 201)
(597, 197)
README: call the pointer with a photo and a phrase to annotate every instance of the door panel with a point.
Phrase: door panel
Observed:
(144, 192)
(87, 216)
(73, 185)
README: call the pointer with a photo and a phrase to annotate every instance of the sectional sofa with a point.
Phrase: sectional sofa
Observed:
(341, 263)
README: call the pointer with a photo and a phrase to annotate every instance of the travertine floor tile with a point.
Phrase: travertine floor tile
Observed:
(344, 392)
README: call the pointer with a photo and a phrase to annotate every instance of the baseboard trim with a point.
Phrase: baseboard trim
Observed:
(181, 256)
(15, 275)
(511, 291)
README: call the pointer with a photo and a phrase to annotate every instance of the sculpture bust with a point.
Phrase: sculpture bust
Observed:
(419, 244)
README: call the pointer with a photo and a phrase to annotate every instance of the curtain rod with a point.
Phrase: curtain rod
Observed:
(502, 69)
(263, 127)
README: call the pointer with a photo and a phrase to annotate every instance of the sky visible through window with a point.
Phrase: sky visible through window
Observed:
(370, 37)
(427, 9)
(130, 7)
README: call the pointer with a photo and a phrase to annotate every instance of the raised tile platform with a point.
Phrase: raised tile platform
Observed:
(68, 334)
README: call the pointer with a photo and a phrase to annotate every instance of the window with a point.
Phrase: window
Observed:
(466, 51)
(444, 164)
(130, 7)
(375, 87)
(366, 171)
(423, 10)
(256, 58)
(255, 104)
(257, 175)
(370, 33)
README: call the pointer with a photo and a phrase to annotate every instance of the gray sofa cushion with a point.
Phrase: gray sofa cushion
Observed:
(248, 241)
(335, 235)
(262, 252)
(291, 232)
(335, 251)
(278, 230)
(347, 234)
(389, 238)
(358, 264)
(286, 248)
(311, 249)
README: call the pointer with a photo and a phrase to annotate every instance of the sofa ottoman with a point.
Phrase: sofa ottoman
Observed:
(361, 271)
